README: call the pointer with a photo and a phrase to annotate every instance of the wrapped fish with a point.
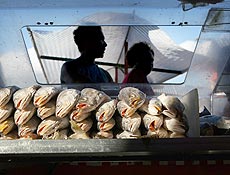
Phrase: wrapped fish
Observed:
(106, 111)
(24, 115)
(51, 124)
(78, 115)
(6, 111)
(173, 105)
(47, 109)
(162, 133)
(29, 127)
(132, 97)
(125, 110)
(6, 95)
(66, 100)
(82, 135)
(155, 107)
(149, 134)
(152, 122)
(7, 126)
(43, 95)
(78, 132)
(103, 135)
(129, 135)
(58, 135)
(90, 99)
(106, 126)
(174, 125)
(85, 125)
(130, 124)
(23, 97)
(159, 133)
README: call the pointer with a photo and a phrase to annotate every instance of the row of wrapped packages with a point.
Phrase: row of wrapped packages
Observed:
(48, 112)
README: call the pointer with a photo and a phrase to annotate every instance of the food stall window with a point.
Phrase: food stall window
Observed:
(49, 46)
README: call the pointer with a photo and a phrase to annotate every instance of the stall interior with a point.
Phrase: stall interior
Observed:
(186, 99)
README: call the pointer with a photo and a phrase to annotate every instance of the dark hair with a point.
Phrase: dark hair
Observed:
(137, 52)
(86, 33)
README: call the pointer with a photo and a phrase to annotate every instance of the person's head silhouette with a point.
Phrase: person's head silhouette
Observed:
(141, 56)
(91, 44)
(90, 41)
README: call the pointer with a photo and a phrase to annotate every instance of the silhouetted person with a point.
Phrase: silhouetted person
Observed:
(140, 57)
(91, 44)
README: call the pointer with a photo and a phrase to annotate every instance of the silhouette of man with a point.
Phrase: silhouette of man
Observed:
(91, 44)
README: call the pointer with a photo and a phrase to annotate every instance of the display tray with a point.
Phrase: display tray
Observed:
(208, 148)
